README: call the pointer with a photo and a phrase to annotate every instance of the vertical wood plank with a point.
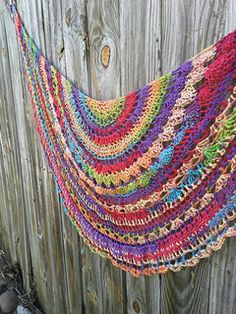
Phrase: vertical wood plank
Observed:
(187, 28)
(104, 48)
(230, 18)
(103, 282)
(222, 296)
(140, 64)
(140, 43)
(75, 54)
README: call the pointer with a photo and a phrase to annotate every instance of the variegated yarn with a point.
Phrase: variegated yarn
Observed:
(148, 179)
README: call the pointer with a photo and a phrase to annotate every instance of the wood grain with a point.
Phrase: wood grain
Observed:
(107, 48)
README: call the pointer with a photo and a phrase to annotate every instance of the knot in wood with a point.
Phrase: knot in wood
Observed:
(68, 17)
(136, 306)
(105, 55)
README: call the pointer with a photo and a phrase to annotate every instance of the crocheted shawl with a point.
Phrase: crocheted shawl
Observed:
(148, 179)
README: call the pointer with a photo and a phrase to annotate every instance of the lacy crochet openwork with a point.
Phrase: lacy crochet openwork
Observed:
(148, 179)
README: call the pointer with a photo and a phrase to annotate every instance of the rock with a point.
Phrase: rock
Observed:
(8, 301)
(3, 284)
(22, 310)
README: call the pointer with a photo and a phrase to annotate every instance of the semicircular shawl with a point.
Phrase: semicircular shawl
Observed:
(148, 179)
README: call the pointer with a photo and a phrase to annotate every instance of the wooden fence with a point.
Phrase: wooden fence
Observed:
(108, 48)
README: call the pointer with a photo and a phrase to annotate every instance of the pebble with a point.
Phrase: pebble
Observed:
(3, 284)
(8, 301)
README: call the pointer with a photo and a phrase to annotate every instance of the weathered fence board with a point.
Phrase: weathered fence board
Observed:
(107, 48)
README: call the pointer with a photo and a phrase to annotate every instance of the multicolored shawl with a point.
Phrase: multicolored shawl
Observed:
(149, 178)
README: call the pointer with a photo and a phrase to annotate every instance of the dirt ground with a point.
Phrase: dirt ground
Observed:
(12, 292)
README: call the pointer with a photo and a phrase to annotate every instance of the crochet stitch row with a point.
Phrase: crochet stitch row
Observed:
(148, 179)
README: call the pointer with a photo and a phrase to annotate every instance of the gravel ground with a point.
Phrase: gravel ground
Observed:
(13, 297)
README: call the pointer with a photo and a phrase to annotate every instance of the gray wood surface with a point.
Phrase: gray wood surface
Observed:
(107, 48)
